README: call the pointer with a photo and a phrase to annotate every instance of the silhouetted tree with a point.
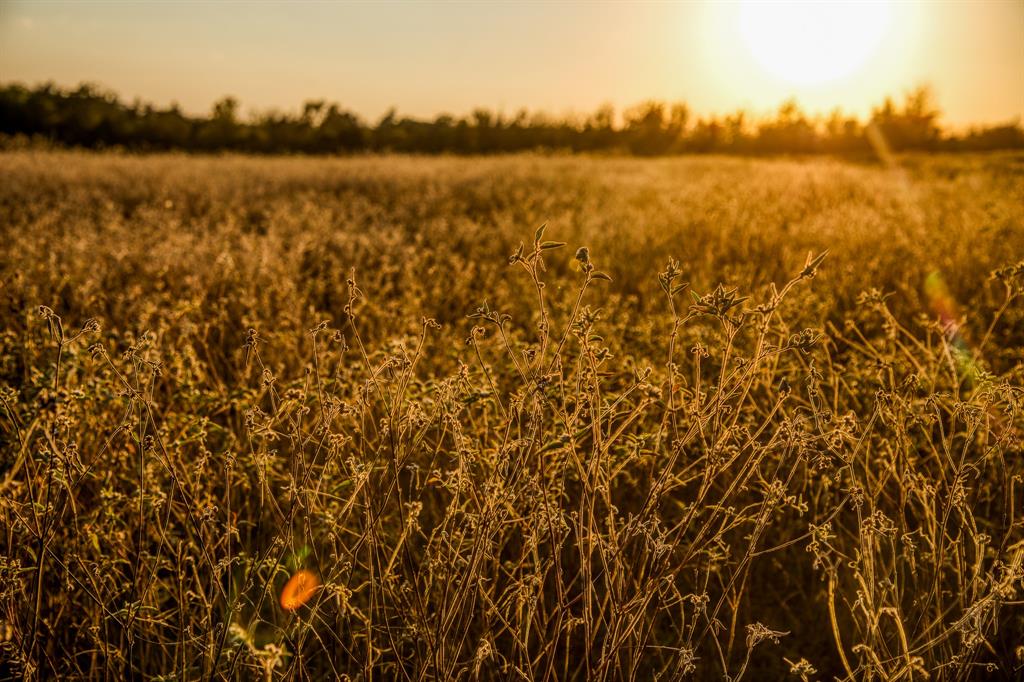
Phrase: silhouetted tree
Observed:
(789, 132)
(915, 126)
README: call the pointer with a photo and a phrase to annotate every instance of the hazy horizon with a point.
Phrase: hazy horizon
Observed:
(425, 60)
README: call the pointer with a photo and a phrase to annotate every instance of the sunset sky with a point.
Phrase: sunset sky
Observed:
(427, 58)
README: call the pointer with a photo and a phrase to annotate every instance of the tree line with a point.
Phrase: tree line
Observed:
(90, 117)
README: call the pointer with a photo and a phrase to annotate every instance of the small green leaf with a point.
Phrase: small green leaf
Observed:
(539, 234)
(551, 245)
(600, 275)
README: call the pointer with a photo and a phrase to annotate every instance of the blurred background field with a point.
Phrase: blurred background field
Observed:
(129, 238)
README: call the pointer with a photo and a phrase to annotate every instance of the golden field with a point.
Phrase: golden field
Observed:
(722, 418)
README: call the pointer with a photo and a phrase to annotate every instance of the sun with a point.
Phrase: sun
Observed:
(809, 43)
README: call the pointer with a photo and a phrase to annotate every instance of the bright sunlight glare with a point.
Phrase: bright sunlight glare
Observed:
(809, 43)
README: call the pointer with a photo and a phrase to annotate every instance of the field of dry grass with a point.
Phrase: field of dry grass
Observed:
(753, 419)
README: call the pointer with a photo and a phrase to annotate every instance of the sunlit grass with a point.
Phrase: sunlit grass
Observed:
(297, 419)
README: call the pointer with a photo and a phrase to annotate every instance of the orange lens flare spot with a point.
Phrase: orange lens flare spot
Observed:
(299, 589)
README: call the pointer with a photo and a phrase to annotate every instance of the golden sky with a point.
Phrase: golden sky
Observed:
(427, 58)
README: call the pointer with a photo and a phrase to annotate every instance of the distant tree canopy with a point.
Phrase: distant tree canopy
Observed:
(90, 117)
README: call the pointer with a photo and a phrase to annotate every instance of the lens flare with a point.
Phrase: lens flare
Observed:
(944, 305)
(299, 589)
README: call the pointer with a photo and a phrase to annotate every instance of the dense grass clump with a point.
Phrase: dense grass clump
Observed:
(328, 419)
